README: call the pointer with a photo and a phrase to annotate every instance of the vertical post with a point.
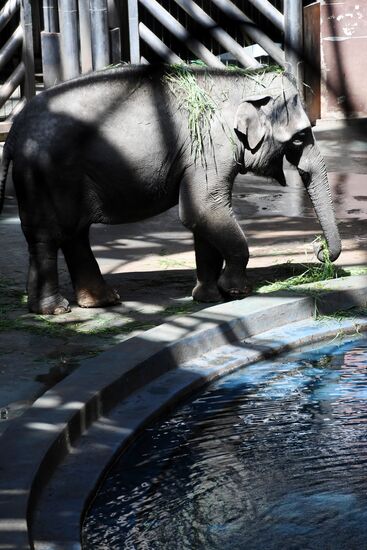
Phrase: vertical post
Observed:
(114, 24)
(293, 39)
(69, 42)
(36, 19)
(29, 86)
(115, 35)
(100, 34)
(50, 44)
(50, 17)
(113, 16)
(51, 62)
(85, 37)
(134, 31)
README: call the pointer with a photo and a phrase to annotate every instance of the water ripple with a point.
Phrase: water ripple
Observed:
(271, 457)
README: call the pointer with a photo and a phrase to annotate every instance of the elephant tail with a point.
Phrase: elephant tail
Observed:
(4, 173)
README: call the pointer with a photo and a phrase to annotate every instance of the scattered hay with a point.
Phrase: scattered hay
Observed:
(312, 274)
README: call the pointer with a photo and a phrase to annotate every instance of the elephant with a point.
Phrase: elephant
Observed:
(123, 144)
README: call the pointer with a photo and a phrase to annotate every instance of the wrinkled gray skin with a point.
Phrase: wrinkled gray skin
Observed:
(114, 147)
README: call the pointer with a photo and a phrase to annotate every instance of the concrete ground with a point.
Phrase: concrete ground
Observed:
(152, 266)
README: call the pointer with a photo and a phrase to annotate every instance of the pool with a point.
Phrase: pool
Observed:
(271, 456)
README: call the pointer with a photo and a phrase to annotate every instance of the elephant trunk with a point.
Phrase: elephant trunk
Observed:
(312, 169)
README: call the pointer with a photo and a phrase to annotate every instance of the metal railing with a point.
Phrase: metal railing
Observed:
(288, 25)
(16, 60)
(79, 36)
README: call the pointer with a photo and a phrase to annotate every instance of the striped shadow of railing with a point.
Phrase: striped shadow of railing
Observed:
(138, 31)
(17, 85)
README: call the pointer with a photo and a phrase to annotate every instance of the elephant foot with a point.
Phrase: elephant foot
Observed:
(236, 294)
(206, 293)
(101, 297)
(232, 290)
(52, 305)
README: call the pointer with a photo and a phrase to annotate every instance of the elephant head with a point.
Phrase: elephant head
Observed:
(272, 124)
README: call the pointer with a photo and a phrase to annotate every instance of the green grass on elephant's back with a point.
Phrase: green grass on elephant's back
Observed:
(200, 105)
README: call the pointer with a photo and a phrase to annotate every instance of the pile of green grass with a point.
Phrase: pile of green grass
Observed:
(312, 274)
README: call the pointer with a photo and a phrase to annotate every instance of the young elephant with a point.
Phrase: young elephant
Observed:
(116, 147)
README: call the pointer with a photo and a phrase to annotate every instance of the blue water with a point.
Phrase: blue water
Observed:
(273, 456)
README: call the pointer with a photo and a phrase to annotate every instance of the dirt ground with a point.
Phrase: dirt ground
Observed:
(152, 266)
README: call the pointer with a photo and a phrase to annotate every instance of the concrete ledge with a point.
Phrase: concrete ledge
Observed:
(74, 482)
(44, 436)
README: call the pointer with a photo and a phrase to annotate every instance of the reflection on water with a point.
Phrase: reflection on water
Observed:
(271, 457)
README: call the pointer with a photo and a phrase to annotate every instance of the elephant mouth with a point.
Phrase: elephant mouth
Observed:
(279, 176)
(273, 168)
(275, 171)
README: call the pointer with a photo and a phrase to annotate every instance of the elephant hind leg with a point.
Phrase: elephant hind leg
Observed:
(209, 264)
(91, 290)
(43, 286)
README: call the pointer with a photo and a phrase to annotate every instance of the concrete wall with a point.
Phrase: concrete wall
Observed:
(343, 59)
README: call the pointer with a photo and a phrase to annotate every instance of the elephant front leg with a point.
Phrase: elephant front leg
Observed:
(210, 216)
(90, 288)
(231, 241)
(209, 262)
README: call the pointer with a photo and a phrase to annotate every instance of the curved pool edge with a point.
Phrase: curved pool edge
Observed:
(49, 430)
(112, 435)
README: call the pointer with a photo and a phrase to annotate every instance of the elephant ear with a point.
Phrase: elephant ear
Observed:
(248, 120)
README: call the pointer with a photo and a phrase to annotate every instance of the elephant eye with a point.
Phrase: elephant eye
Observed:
(299, 139)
